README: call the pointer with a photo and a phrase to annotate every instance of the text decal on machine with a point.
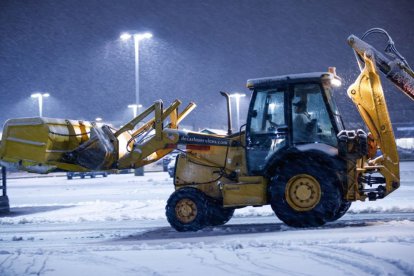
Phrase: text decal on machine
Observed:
(202, 140)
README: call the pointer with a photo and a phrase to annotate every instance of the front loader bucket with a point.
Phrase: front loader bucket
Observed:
(43, 145)
(100, 152)
(38, 144)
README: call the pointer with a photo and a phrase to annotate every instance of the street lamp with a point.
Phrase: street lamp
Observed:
(137, 38)
(40, 97)
(135, 108)
(237, 96)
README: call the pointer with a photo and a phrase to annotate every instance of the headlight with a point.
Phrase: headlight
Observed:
(336, 82)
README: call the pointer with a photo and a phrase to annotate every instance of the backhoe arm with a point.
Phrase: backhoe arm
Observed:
(392, 63)
(367, 94)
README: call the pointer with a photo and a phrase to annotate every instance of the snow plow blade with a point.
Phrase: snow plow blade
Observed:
(43, 145)
(38, 144)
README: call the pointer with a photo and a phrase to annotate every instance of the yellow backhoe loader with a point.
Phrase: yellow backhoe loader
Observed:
(294, 153)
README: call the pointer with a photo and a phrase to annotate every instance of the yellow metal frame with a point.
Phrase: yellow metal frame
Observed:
(156, 146)
(367, 94)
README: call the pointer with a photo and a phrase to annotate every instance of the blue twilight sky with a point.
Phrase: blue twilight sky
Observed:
(72, 50)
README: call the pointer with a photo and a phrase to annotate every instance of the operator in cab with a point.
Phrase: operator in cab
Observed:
(304, 127)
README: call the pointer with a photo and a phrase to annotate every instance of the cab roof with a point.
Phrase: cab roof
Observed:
(274, 81)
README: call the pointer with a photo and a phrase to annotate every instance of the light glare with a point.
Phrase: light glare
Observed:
(141, 36)
(38, 95)
(125, 36)
(237, 95)
(336, 82)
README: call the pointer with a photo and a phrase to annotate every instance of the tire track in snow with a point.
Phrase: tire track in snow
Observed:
(11, 261)
(43, 267)
(271, 268)
(402, 267)
(205, 262)
(223, 265)
(242, 270)
(358, 259)
(3, 262)
(30, 265)
(227, 267)
(339, 263)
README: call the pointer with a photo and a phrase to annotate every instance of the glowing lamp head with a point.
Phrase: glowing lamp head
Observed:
(141, 36)
(237, 95)
(125, 36)
(40, 95)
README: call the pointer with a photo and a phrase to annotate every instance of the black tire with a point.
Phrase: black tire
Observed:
(343, 208)
(82, 176)
(323, 210)
(92, 176)
(219, 215)
(105, 174)
(193, 214)
(69, 177)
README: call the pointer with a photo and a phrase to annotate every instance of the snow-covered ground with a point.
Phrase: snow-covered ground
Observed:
(116, 226)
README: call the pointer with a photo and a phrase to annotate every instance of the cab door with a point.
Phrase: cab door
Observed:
(266, 127)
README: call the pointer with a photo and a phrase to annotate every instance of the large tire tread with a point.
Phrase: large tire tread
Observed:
(323, 212)
(343, 208)
(218, 215)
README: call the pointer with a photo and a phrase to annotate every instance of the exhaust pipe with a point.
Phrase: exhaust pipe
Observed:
(227, 96)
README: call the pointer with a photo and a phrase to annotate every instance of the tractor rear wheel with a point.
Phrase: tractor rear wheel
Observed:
(305, 195)
(187, 210)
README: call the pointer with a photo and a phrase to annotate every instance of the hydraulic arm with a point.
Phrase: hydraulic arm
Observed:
(392, 63)
(367, 94)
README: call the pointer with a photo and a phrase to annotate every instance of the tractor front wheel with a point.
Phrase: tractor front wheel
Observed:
(187, 210)
(218, 215)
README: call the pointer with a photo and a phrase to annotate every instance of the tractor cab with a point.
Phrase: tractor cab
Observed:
(289, 112)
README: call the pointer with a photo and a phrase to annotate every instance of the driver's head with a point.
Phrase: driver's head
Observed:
(300, 106)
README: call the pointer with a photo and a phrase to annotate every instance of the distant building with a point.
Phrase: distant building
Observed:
(213, 131)
(404, 130)
(404, 136)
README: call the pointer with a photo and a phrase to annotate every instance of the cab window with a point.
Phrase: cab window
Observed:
(310, 118)
(267, 127)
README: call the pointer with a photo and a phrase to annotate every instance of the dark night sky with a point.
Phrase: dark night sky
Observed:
(71, 50)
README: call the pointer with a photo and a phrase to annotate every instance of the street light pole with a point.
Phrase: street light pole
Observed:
(136, 44)
(238, 96)
(135, 107)
(137, 38)
(40, 97)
